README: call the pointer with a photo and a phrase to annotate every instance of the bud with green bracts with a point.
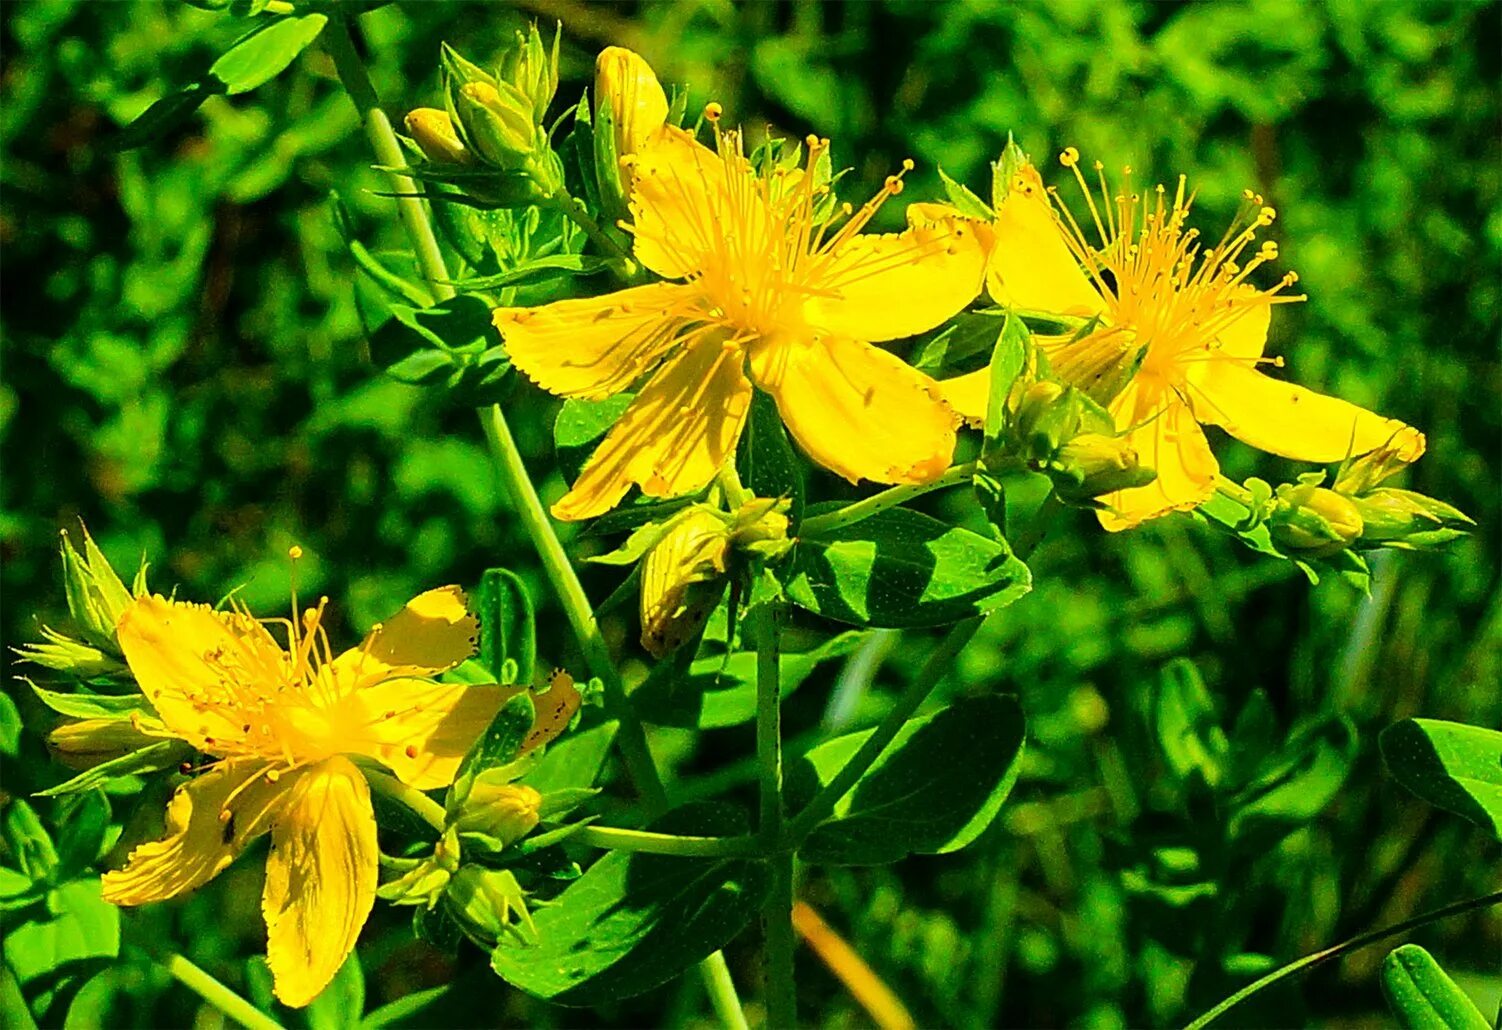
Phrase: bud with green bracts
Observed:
(1314, 521)
(423, 881)
(1093, 464)
(532, 70)
(1408, 520)
(488, 903)
(498, 812)
(96, 599)
(433, 132)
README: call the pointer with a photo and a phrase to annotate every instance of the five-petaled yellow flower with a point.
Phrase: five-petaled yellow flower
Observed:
(1178, 323)
(764, 291)
(279, 726)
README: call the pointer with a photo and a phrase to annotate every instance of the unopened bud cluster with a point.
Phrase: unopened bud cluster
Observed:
(96, 599)
(1061, 433)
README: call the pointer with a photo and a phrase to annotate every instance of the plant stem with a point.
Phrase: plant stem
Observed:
(777, 917)
(721, 988)
(1359, 941)
(630, 735)
(388, 151)
(891, 724)
(418, 803)
(215, 993)
(618, 839)
(575, 211)
(889, 498)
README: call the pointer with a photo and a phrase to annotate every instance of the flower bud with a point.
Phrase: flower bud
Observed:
(1314, 521)
(433, 131)
(1093, 464)
(628, 93)
(90, 742)
(501, 811)
(760, 526)
(498, 121)
(96, 596)
(1408, 520)
(487, 903)
(532, 70)
(682, 578)
(424, 881)
(1361, 475)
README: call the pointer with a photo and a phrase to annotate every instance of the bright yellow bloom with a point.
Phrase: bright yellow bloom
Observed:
(626, 86)
(1179, 334)
(767, 288)
(281, 726)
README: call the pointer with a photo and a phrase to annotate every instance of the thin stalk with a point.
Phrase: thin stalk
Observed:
(630, 735)
(215, 993)
(619, 839)
(886, 731)
(888, 498)
(576, 213)
(414, 800)
(727, 1004)
(777, 917)
(1359, 941)
(388, 151)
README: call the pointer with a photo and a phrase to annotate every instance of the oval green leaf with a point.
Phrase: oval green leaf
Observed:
(1449, 764)
(1422, 995)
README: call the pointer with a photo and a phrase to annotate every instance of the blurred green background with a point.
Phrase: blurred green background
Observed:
(184, 369)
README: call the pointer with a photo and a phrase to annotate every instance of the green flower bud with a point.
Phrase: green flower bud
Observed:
(1315, 521)
(488, 903)
(1361, 475)
(1093, 464)
(498, 121)
(96, 596)
(760, 526)
(532, 70)
(497, 810)
(1404, 519)
(682, 578)
(425, 880)
(1048, 416)
(433, 131)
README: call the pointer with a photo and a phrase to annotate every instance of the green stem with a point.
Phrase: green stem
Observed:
(1359, 941)
(631, 736)
(618, 839)
(886, 731)
(777, 917)
(889, 498)
(388, 151)
(418, 803)
(215, 993)
(575, 211)
(721, 988)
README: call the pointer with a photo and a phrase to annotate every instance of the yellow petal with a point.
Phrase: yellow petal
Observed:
(200, 841)
(1246, 338)
(679, 189)
(885, 287)
(674, 437)
(1172, 445)
(856, 409)
(968, 394)
(596, 346)
(1031, 266)
(181, 655)
(1289, 420)
(434, 632)
(320, 879)
(418, 728)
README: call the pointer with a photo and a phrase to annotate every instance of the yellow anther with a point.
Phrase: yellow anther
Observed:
(1070, 157)
(907, 164)
(1268, 251)
(294, 552)
(811, 141)
(1266, 216)
(893, 184)
(713, 111)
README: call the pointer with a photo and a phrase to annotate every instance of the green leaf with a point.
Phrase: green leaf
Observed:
(766, 462)
(1422, 995)
(1449, 764)
(715, 692)
(1186, 724)
(934, 790)
(580, 424)
(966, 202)
(150, 759)
(1297, 783)
(79, 705)
(899, 568)
(265, 52)
(10, 727)
(28, 840)
(634, 921)
(572, 759)
(508, 629)
(1007, 359)
(339, 1005)
(959, 344)
(77, 925)
(500, 745)
(163, 117)
(81, 838)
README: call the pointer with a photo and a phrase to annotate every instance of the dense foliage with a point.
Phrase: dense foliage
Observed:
(1202, 797)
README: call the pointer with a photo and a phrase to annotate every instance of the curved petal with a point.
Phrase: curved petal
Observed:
(1285, 419)
(1245, 338)
(595, 346)
(1031, 265)
(200, 839)
(968, 395)
(434, 632)
(1171, 444)
(885, 287)
(320, 879)
(680, 195)
(855, 409)
(417, 728)
(674, 437)
(188, 658)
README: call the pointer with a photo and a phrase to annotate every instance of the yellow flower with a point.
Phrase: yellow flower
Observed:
(1177, 336)
(767, 288)
(280, 726)
(627, 87)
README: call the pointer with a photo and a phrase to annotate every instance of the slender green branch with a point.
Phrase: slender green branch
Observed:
(1359, 941)
(631, 737)
(824, 802)
(215, 993)
(617, 839)
(777, 917)
(575, 211)
(888, 498)
(388, 151)
(418, 803)
(721, 988)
